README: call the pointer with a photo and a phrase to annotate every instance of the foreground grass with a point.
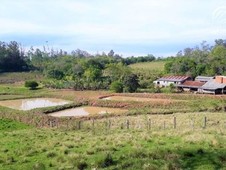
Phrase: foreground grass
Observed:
(117, 149)
(10, 125)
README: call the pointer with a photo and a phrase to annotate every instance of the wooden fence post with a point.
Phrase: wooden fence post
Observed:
(67, 124)
(192, 123)
(174, 122)
(79, 124)
(109, 124)
(204, 123)
(106, 124)
(149, 124)
(127, 124)
(93, 126)
(122, 126)
(57, 123)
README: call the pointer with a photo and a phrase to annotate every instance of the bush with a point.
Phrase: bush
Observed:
(172, 88)
(157, 90)
(116, 87)
(31, 84)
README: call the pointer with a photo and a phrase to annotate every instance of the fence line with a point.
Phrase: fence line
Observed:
(41, 121)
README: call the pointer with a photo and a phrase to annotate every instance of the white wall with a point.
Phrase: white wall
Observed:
(165, 83)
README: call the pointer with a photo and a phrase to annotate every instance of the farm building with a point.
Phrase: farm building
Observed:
(210, 85)
(167, 80)
(203, 78)
(215, 86)
(190, 85)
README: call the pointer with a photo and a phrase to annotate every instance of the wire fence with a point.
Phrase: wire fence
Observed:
(142, 122)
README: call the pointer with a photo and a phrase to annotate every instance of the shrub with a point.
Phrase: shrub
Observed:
(172, 88)
(31, 84)
(157, 90)
(116, 87)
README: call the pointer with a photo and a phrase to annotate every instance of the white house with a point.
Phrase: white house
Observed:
(167, 80)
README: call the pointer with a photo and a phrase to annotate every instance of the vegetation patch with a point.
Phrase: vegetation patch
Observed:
(10, 125)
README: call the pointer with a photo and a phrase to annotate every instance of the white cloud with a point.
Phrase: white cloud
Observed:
(115, 21)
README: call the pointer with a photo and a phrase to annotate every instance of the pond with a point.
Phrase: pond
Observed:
(86, 111)
(28, 104)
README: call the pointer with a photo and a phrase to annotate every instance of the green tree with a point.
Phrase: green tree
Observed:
(12, 57)
(92, 74)
(111, 53)
(116, 87)
(131, 83)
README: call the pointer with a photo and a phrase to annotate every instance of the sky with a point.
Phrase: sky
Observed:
(129, 27)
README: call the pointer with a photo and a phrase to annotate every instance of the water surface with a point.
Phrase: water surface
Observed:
(86, 111)
(28, 104)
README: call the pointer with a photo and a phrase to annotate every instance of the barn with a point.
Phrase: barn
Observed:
(215, 86)
(167, 80)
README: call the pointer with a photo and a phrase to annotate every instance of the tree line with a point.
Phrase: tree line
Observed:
(78, 69)
(83, 71)
(203, 60)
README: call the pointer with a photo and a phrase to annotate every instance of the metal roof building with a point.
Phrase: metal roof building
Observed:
(174, 78)
(213, 85)
(203, 78)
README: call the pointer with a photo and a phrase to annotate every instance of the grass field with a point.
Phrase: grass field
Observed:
(29, 148)
(149, 66)
(189, 146)
(147, 72)
(18, 77)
